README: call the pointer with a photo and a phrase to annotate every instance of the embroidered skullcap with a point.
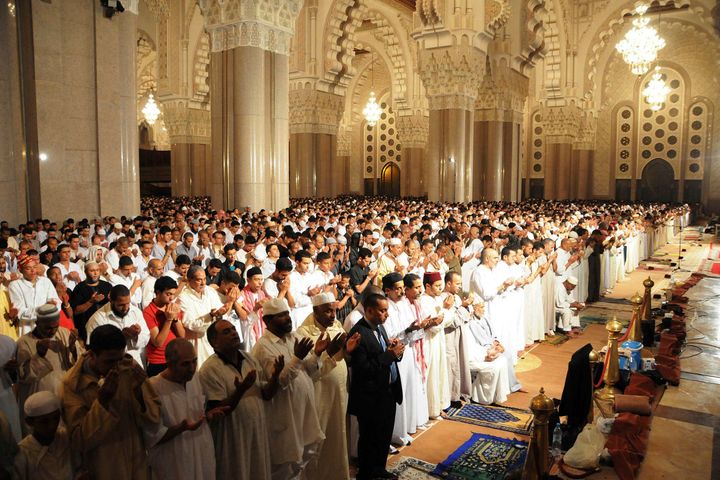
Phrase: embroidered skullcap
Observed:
(572, 280)
(48, 311)
(394, 241)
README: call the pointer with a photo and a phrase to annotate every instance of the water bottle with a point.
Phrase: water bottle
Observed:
(557, 441)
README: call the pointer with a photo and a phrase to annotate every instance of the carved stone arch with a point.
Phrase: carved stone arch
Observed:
(342, 21)
(609, 25)
(386, 34)
(534, 32)
(553, 47)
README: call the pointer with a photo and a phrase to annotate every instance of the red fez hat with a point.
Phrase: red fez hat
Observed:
(431, 277)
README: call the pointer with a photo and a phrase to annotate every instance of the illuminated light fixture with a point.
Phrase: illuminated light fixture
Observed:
(656, 91)
(372, 110)
(150, 111)
(641, 43)
(43, 156)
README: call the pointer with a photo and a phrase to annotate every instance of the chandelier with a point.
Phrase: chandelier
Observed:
(150, 111)
(372, 110)
(641, 43)
(656, 91)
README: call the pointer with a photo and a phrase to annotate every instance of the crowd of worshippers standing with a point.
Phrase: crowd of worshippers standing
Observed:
(188, 343)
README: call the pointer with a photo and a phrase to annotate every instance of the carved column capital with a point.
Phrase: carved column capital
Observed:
(412, 130)
(561, 123)
(502, 95)
(312, 111)
(585, 139)
(265, 24)
(185, 123)
(451, 76)
(344, 142)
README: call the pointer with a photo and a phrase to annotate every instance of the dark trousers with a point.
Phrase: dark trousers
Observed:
(155, 369)
(376, 427)
(593, 279)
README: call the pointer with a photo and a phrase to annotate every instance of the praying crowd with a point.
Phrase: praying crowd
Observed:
(190, 343)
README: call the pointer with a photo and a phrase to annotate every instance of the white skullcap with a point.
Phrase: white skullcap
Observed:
(342, 240)
(101, 232)
(48, 311)
(573, 235)
(330, 241)
(501, 227)
(394, 241)
(41, 403)
(117, 225)
(376, 235)
(572, 280)
(275, 306)
(323, 298)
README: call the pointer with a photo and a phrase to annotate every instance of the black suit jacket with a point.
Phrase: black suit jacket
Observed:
(370, 371)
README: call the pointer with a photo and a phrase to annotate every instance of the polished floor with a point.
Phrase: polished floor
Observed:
(685, 437)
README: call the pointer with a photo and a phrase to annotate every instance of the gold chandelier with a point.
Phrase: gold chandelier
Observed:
(641, 43)
(656, 91)
(150, 111)
(372, 110)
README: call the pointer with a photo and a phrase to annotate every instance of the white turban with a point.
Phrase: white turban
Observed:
(572, 280)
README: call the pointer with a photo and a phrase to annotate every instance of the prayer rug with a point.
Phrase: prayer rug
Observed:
(587, 320)
(410, 468)
(527, 362)
(483, 457)
(557, 339)
(508, 419)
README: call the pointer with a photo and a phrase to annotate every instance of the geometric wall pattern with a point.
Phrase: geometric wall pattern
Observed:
(381, 145)
(697, 140)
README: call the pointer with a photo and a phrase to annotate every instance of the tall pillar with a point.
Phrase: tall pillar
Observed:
(249, 66)
(583, 165)
(498, 114)
(189, 133)
(13, 200)
(314, 121)
(451, 78)
(562, 125)
(412, 134)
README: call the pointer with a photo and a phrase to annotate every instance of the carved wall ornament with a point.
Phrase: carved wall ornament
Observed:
(451, 76)
(412, 130)
(312, 111)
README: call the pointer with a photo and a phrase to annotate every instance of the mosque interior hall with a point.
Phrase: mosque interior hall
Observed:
(371, 125)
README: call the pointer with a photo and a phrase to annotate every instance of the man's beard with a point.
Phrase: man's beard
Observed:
(120, 314)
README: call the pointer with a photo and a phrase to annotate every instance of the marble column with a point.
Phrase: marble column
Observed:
(250, 110)
(497, 161)
(557, 169)
(412, 131)
(449, 153)
(13, 200)
(581, 187)
(312, 165)
(118, 154)
(189, 166)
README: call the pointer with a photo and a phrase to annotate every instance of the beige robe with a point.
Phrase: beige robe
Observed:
(110, 441)
(35, 461)
(242, 449)
(331, 399)
(36, 373)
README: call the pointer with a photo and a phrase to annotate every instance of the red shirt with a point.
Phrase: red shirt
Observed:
(154, 317)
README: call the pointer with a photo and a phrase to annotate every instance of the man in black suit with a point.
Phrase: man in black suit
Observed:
(375, 388)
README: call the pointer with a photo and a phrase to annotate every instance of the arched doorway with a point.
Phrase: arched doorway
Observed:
(658, 182)
(390, 181)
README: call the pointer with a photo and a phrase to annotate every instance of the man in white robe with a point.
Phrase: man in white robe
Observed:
(494, 374)
(127, 277)
(433, 303)
(303, 286)
(567, 308)
(201, 305)
(470, 256)
(456, 339)
(233, 378)
(488, 285)
(293, 424)
(180, 446)
(331, 394)
(30, 292)
(127, 317)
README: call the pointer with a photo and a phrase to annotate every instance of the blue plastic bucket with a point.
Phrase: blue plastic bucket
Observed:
(635, 356)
